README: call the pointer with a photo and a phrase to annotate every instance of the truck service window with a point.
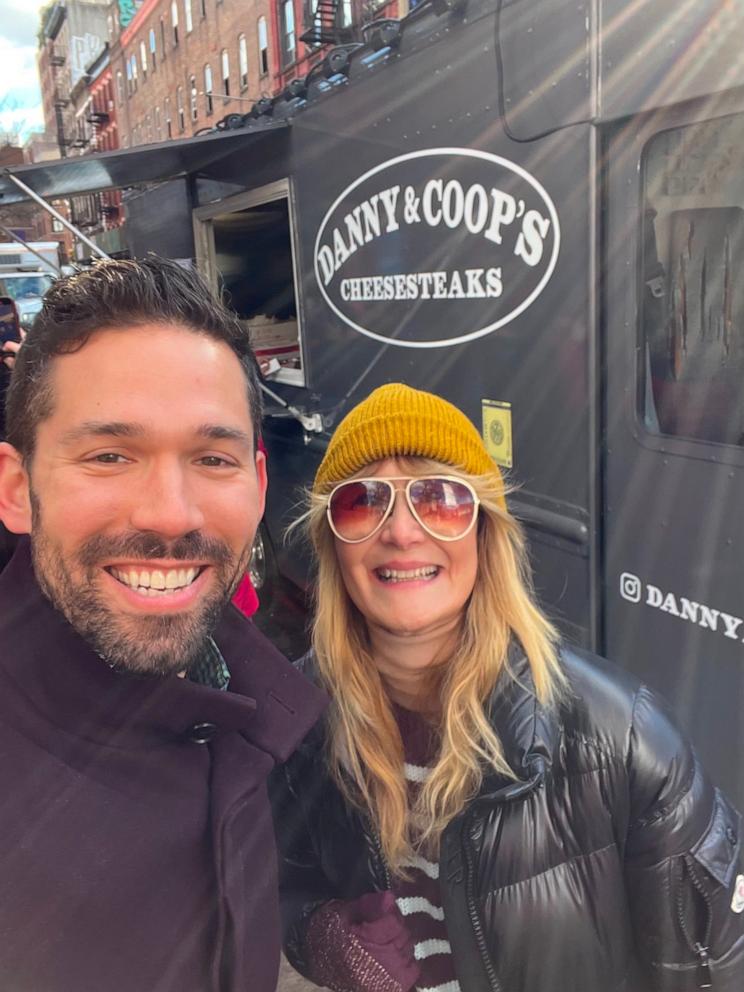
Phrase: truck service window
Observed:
(692, 313)
(253, 256)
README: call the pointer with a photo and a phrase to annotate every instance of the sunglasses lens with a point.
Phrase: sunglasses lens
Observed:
(444, 506)
(356, 508)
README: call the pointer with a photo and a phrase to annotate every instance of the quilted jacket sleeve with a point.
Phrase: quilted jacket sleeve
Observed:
(683, 865)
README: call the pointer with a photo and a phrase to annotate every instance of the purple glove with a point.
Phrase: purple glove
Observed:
(361, 946)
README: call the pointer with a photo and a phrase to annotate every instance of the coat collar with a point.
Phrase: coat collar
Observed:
(42, 656)
(529, 732)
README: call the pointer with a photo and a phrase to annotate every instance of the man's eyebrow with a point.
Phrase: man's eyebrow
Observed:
(116, 428)
(102, 428)
(221, 432)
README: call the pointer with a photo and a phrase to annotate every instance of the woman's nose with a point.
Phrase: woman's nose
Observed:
(401, 527)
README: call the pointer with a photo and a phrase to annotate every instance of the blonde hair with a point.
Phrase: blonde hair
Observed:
(365, 750)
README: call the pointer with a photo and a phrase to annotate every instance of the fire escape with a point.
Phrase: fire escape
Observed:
(326, 24)
(57, 61)
(106, 204)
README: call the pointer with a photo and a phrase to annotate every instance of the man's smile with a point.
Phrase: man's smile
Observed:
(156, 588)
(150, 581)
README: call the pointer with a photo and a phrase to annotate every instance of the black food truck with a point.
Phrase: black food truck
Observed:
(536, 209)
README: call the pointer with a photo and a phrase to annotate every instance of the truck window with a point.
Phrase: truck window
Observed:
(692, 312)
(254, 264)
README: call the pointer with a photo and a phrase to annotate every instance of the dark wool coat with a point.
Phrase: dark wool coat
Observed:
(136, 844)
(609, 866)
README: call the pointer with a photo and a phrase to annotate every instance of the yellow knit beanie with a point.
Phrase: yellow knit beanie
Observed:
(396, 420)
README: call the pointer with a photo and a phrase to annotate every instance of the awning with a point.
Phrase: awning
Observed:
(143, 164)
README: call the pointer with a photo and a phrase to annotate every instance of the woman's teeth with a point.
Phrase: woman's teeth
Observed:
(408, 575)
(156, 582)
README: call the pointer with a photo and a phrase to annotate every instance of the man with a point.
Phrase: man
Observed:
(137, 849)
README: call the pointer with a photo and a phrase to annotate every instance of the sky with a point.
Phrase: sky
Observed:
(20, 96)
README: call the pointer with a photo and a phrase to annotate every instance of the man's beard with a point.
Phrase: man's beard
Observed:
(142, 644)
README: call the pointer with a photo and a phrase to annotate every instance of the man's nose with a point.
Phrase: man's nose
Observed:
(166, 503)
(401, 527)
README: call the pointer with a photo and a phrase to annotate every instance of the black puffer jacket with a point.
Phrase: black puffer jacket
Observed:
(611, 865)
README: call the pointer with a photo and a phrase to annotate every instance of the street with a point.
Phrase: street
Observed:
(290, 981)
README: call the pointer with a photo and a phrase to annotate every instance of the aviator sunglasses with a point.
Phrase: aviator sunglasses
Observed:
(445, 507)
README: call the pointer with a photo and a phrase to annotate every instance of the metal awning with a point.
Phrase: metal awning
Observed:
(143, 164)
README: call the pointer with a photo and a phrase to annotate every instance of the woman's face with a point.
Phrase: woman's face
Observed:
(403, 580)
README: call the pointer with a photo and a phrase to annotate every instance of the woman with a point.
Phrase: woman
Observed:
(484, 808)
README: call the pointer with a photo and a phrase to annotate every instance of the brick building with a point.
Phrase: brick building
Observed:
(97, 130)
(73, 33)
(181, 65)
(17, 217)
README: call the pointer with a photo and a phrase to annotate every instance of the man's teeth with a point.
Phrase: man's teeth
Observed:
(156, 582)
(399, 575)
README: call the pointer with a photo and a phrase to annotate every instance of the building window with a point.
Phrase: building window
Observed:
(158, 125)
(243, 60)
(263, 47)
(143, 60)
(208, 89)
(174, 21)
(133, 63)
(163, 49)
(153, 50)
(225, 73)
(203, 8)
(179, 109)
(188, 18)
(120, 87)
(168, 120)
(148, 124)
(288, 32)
(193, 95)
(347, 13)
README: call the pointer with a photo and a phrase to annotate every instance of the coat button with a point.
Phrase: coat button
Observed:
(731, 836)
(201, 733)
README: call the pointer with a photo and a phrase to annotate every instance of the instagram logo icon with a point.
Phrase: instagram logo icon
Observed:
(630, 587)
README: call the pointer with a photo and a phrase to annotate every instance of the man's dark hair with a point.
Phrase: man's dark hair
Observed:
(116, 294)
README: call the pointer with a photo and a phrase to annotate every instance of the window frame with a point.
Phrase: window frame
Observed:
(180, 110)
(243, 61)
(262, 37)
(655, 437)
(288, 30)
(282, 189)
(208, 89)
(193, 99)
(225, 70)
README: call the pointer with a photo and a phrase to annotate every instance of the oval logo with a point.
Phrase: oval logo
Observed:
(437, 247)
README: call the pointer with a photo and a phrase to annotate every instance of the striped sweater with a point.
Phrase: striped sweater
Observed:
(418, 896)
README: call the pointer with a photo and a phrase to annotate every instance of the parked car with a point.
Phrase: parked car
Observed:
(27, 289)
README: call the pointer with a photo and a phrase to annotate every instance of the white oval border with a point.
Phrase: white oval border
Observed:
(471, 153)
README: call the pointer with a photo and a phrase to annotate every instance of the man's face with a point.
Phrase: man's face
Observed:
(146, 492)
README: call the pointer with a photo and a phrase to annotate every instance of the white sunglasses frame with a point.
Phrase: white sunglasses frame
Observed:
(409, 480)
